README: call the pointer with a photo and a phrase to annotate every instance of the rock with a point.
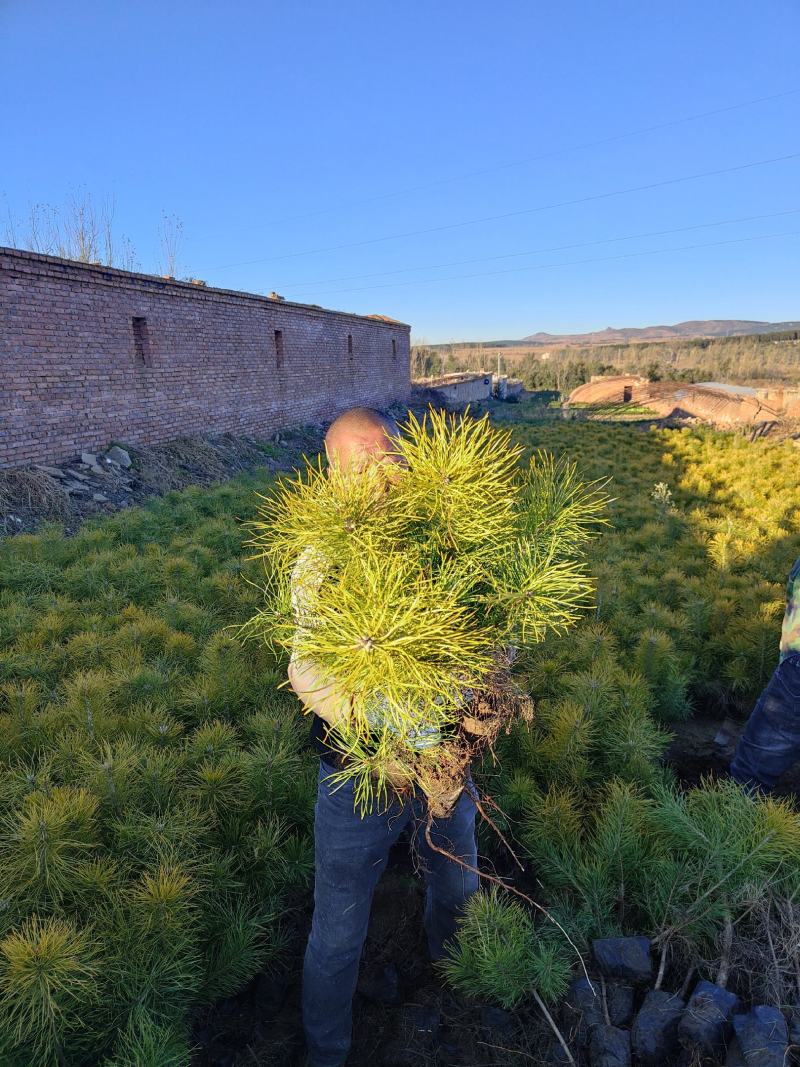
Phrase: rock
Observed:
(619, 999)
(77, 488)
(498, 1020)
(610, 1047)
(54, 472)
(120, 456)
(626, 958)
(582, 1010)
(557, 1057)
(90, 461)
(706, 1024)
(761, 1038)
(99, 498)
(77, 474)
(654, 1035)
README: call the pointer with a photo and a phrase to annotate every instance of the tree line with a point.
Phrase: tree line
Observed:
(756, 357)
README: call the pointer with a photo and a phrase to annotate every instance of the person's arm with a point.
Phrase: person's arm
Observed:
(316, 693)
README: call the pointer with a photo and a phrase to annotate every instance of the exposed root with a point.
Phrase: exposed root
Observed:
(473, 792)
(495, 880)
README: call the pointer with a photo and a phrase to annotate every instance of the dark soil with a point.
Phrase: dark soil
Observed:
(704, 745)
(403, 1013)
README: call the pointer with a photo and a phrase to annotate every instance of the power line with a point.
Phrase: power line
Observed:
(536, 251)
(550, 154)
(515, 214)
(567, 263)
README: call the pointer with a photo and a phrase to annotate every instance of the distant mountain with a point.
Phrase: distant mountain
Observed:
(702, 328)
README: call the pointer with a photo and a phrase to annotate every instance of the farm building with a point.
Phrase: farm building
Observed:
(710, 401)
(464, 388)
(91, 354)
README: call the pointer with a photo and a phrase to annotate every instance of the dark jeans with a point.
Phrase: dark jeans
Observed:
(770, 743)
(350, 856)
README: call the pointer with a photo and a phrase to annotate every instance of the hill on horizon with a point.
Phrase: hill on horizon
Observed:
(625, 335)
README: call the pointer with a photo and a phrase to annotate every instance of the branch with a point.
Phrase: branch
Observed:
(509, 888)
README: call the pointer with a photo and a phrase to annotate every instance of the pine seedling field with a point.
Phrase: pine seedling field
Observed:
(155, 811)
(156, 799)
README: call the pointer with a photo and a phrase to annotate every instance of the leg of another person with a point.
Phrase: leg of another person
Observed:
(350, 856)
(770, 743)
(449, 885)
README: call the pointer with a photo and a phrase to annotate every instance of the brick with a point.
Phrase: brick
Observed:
(71, 379)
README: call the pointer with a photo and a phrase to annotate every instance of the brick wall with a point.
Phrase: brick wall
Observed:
(76, 371)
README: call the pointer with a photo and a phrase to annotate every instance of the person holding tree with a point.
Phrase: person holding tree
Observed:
(770, 743)
(351, 849)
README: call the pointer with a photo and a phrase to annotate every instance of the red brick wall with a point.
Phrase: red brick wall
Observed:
(71, 379)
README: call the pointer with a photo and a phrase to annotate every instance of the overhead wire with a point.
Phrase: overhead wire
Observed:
(566, 263)
(549, 154)
(536, 251)
(521, 211)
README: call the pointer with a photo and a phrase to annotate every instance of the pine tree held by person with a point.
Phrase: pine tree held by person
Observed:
(439, 570)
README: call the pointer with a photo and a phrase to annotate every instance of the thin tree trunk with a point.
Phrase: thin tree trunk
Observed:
(553, 1027)
(662, 965)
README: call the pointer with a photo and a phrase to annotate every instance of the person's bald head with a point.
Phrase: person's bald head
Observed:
(358, 437)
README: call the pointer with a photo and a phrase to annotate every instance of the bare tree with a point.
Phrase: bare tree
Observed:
(79, 230)
(170, 233)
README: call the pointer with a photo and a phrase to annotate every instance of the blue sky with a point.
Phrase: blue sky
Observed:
(272, 129)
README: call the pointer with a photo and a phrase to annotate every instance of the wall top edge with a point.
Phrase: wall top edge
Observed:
(134, 278)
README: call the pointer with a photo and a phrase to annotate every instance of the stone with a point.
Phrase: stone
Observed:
(626, 958)
(654, 1035)
(54, 472)
(119, 456)
(706, 1025)
(99, 498)
(610, 1047)
(498, 1020)
(582, 1010)
(619, 999)
(89, 460)
(77, 474)
(761, 1038)
(77, 488)
(557, 1057)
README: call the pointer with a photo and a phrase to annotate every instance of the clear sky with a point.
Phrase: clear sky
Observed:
(277, 128)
